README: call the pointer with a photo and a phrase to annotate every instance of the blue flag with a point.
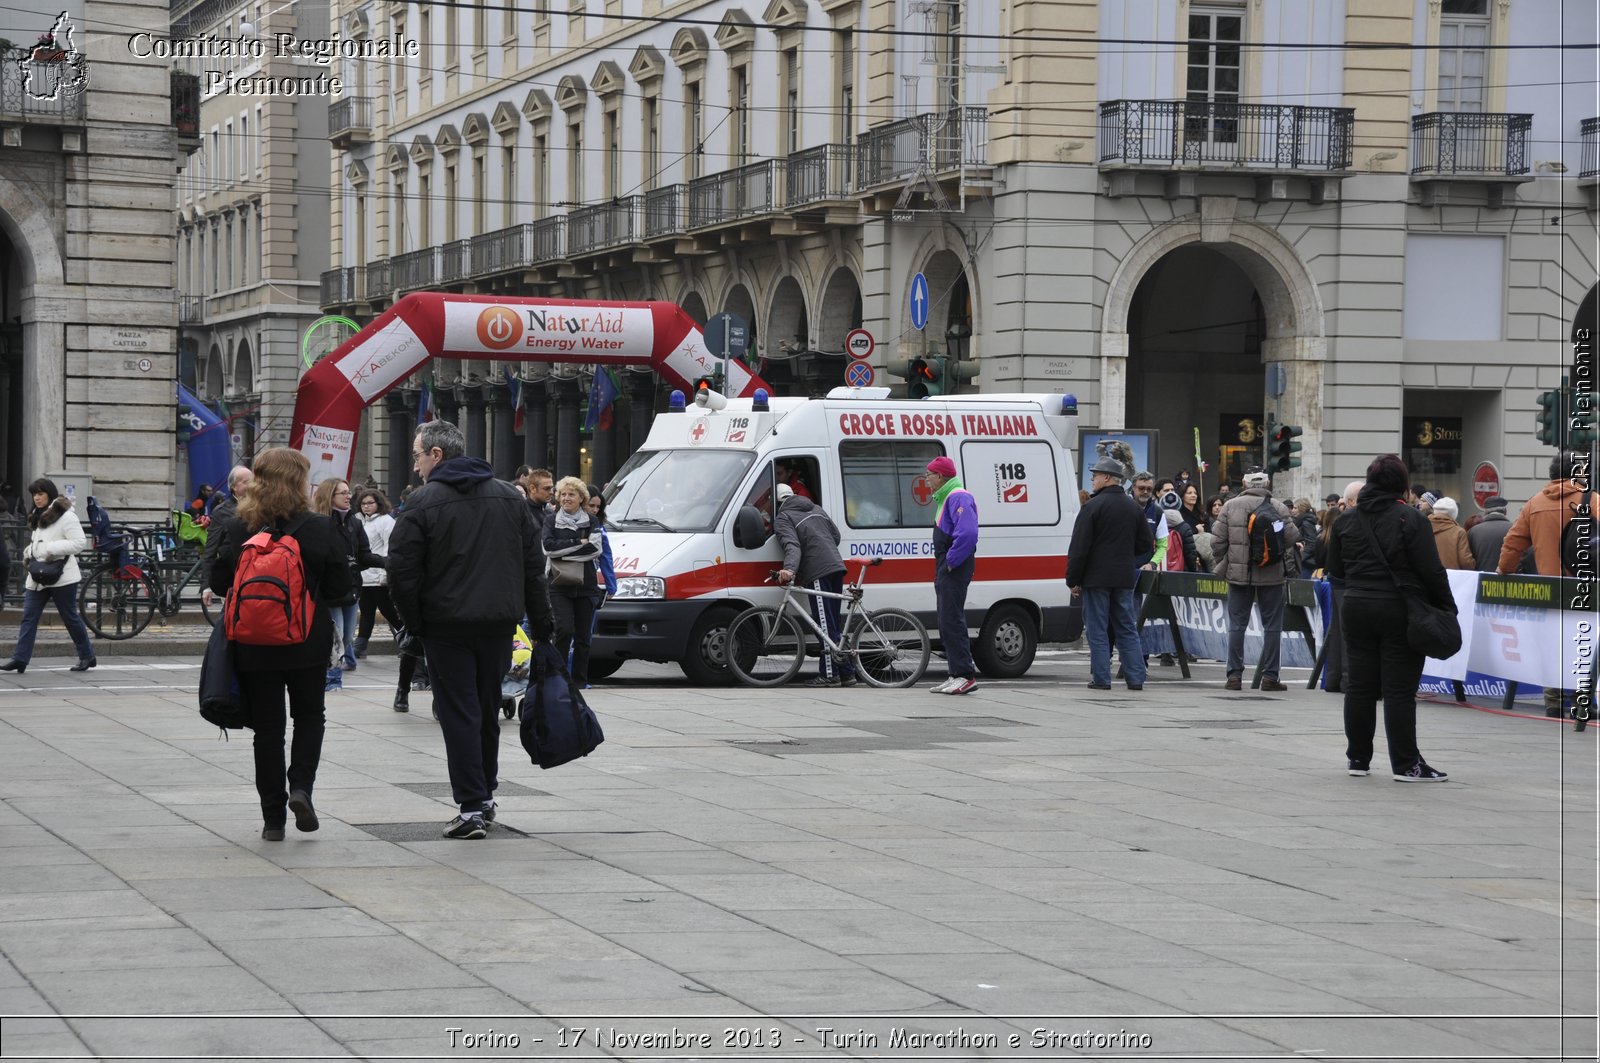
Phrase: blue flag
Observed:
(602, 394)
(425, 404)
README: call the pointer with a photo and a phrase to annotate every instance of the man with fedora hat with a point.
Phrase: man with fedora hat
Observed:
(1110, 540)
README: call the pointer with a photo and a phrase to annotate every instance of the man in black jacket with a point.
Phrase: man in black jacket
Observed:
(465, 565)
(220, 515)
(1108, 541)
(1489, 536)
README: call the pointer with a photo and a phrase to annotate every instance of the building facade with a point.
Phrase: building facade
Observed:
(1373, 221)
(88, 151)
(252, 235)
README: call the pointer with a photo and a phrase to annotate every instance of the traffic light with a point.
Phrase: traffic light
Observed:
(1285, 451)
(1550, 418)
(926, 378)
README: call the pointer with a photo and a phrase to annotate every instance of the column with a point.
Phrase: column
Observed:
(506, 456)
(567, 437)
(470, 396)
(641, 388)
(400, 405)
(536, 427)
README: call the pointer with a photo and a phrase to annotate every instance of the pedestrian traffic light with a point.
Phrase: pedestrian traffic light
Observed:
(1550, 418)
(1285, 451)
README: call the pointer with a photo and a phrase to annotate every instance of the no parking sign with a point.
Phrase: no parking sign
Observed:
(858, 374)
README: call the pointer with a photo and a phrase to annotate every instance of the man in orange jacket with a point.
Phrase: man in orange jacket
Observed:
(1543, 519)
(1540, 525)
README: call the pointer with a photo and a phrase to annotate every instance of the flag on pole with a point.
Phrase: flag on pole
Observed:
(425, 404)
(518, 414)
(1199, 462)
(603, 394)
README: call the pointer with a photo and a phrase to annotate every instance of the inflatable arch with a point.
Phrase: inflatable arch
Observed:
(427, 325)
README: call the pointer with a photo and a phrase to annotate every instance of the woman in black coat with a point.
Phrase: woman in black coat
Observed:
(570, 535)
(1383, 550)
(276, 499)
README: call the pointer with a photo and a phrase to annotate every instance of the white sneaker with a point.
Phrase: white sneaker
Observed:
(945, 687)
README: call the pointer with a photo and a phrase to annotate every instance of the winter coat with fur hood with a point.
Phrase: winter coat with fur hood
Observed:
(57, 533)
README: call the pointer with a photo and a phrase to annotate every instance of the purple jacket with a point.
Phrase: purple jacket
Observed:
(955, 530)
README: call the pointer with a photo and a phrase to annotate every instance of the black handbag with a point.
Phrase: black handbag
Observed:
(1430, 631)
(557, 724)
(221, 701)
(46, 573)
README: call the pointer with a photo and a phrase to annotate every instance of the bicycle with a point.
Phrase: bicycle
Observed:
(886, 647)
(118, 598)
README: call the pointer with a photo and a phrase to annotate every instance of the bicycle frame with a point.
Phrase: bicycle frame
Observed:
(852, 596)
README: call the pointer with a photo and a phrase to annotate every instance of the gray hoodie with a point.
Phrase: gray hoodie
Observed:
(810, 540)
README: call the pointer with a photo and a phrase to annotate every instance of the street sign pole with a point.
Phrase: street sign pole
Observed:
(727, 332)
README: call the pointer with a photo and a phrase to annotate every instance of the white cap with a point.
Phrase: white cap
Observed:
(785, 492)
(1446, 507)
(1257, 478)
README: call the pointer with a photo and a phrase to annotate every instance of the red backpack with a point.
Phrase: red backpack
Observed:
(269, 604)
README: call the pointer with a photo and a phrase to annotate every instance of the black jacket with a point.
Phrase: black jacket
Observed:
(220, 516)
(358, 549)
(464, 556)
(574, 545)
(1488, 537)
(1406, 539)
(328, 577)
(1109, 542)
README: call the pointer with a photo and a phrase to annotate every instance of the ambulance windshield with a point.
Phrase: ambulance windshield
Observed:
(675, 490)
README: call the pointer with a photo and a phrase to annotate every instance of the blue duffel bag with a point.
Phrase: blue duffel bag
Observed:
(557, 724)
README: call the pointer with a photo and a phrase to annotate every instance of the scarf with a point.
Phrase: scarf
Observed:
(577, 519)
(952, 484)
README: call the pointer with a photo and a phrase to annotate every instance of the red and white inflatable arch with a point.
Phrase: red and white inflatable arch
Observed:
(427, 325)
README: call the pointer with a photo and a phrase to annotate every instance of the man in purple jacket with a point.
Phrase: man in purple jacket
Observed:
(955, 555)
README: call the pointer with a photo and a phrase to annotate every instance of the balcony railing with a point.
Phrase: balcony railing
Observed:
(1589, 164)
(817, 174)
(664, 210)
(340, 286)
(602, 225)
(186, 103)
(17, 102)
(350, 120)
(1468, 144)
(455, 261)
(1222, 135)
(948, 140)
(743, 192)
(191, 309)
(376, 286)
(415, 269)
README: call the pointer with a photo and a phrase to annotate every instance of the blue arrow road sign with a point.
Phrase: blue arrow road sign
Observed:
(919, 301)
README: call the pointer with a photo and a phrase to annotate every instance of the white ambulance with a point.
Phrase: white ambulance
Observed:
(690, 517)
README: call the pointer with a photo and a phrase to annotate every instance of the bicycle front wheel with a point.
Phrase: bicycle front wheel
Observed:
(116, 607)
(890, 647)
(765, 648)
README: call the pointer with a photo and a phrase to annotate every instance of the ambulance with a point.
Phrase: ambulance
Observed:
(691, 517)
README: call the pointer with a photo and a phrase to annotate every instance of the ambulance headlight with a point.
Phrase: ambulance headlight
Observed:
(641, 587)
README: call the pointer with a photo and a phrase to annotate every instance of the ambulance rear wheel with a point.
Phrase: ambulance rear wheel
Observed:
(705, 659)
(1007, 642)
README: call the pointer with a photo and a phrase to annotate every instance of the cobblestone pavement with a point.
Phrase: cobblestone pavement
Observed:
(1035, 870)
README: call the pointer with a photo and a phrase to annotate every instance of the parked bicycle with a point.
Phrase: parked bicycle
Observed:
(886, 647)
(145, 571)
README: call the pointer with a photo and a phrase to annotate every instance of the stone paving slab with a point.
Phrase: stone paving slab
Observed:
(1188, 865)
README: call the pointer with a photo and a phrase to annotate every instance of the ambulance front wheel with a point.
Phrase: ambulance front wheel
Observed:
(705, 658)
(1007, 642)
(603, 667)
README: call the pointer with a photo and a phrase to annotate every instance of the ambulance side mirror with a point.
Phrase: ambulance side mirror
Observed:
(749, 528)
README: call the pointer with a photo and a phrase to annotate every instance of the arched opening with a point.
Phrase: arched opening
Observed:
(949, 299)
(1195, 334)
(11, 362)
(787, 324)
(246, 409)
(840, 310)
(214, 374)
(739, 302)
(695, 307)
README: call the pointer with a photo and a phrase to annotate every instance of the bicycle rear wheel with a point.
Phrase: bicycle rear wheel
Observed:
(116, 607)
(765, 648)
(890, 647)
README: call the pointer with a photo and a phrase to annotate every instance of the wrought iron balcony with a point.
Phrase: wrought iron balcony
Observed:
(505, 250)
(743, 192)
(376, 286)
(818, 174)
(1589, 163)
(415, 269)
(945, 140)
(350, 121)
(340, 287)
(1210, 135)
(191, 309)
(1465, 144)
(455, 261)
(664, 211)
(44, 69)
(603, 225)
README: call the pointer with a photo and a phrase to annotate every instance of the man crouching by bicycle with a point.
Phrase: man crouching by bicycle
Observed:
(811, 558)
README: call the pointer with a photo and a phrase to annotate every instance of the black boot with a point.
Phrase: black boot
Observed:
(14, 665)
(84, 664)
(402, 700)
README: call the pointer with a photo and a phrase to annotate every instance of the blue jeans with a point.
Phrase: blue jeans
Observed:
(1108, 609)
(825, 611)
(1269, 598)
(950, 591)
(345, 619)
(66, 599)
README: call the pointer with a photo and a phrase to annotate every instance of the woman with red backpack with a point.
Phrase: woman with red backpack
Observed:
(278, 549)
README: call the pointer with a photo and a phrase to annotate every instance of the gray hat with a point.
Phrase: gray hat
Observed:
(1494, 503)
(1257, 478)
(1110, 467)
